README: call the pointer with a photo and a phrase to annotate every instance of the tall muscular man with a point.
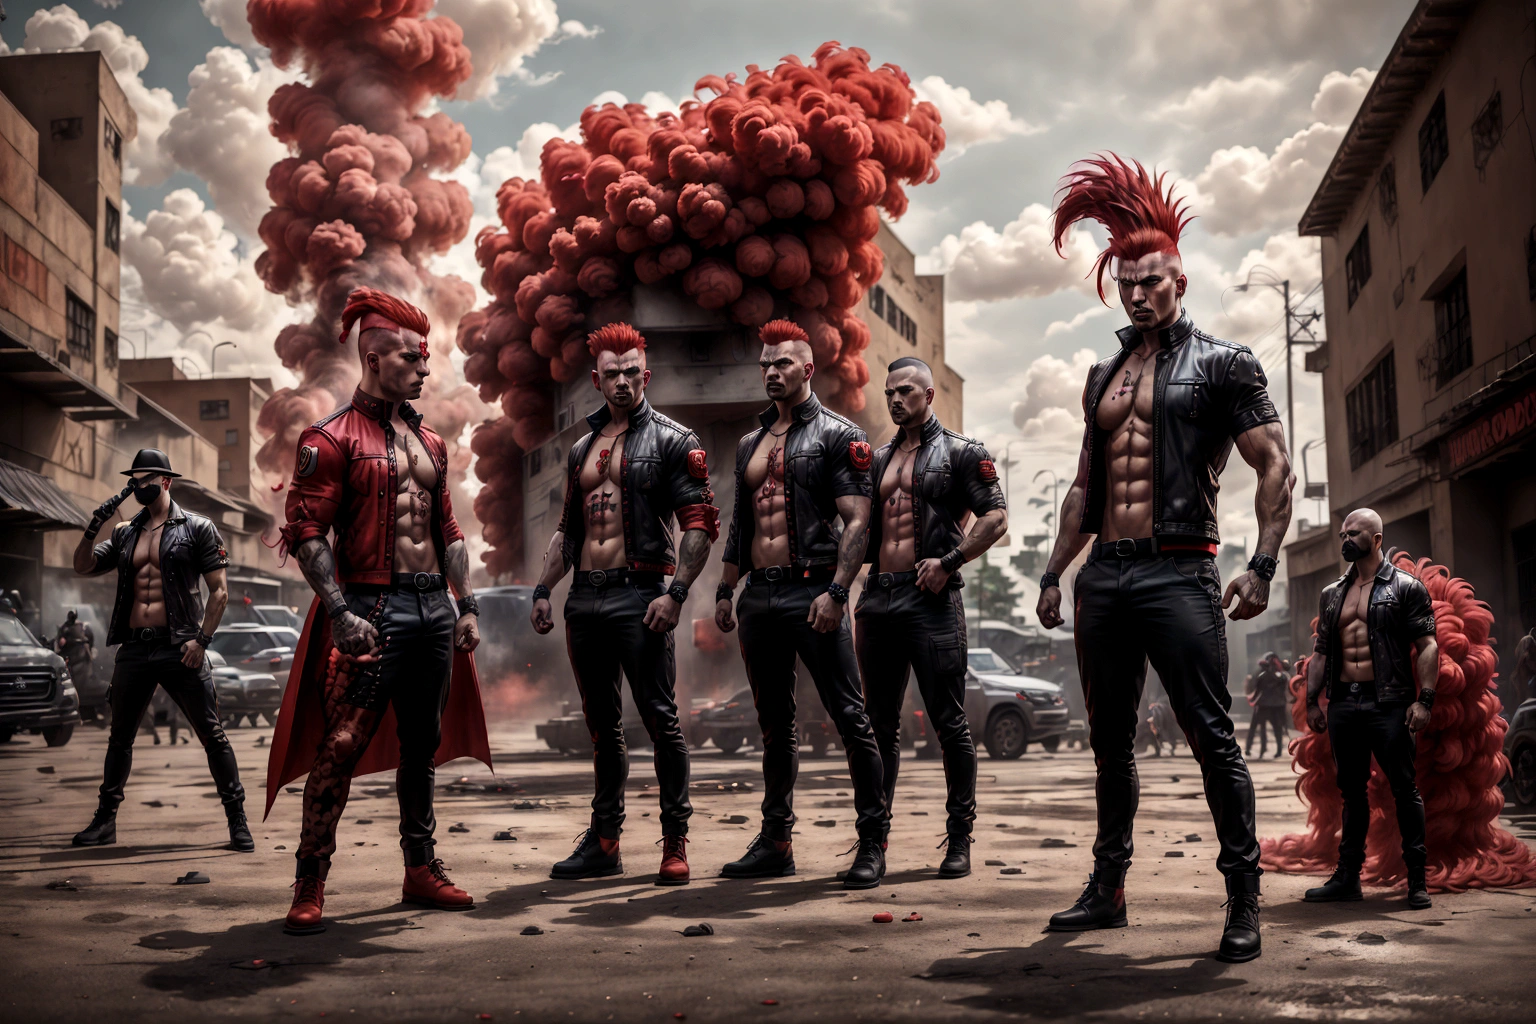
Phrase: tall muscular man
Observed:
(385, 651)
(805, 467)
(928, 482)
(1161, 416)
(625, 481)
(164, 629)
(1375, 631)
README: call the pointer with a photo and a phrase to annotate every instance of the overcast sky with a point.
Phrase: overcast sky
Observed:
(1243, 101)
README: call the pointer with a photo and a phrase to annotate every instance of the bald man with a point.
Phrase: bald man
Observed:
(929, 483)
(1375, 631)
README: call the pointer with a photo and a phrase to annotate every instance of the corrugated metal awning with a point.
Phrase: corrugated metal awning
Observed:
(30, 501)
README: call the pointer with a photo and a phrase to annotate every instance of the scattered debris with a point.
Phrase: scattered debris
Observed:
(157, 803)
(504, 837)
(1370, 939)
(996, 863)
(193, 878)
(532, 929)
(1173, 853)
(363, 821)
(259, 964)
(884, 917)
(383, 791)
(1056, 844)
(457, 826)
(734, 819)
(63, 885)
(46, 769)
(1193, 837)
(770, 1002)
(261, 741)
(826, 824)
(914, 916)
(1011, 871)
(279, 847)
(859, 949)
(703, 928)
(295, 790)
(529, 805)
(920, 814)
(973, 935)
(1176, 778)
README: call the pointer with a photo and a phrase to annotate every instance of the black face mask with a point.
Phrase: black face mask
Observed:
(146, 492)
(1352, 552)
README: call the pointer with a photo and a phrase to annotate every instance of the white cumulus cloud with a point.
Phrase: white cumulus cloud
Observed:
(1223, 101)
(1053, 393)
(969, 121)
(228, 16)
(501, 35)
(1340, 95)
(1019, 261)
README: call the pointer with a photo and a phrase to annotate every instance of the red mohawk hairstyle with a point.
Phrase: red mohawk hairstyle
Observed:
(617, 338)
(777, 332)
(1126, 199)
(380, 309)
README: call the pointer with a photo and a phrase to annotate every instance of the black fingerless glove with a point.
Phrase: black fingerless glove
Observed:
(105, 510)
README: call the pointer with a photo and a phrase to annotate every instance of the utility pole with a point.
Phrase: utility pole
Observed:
(1290, 369)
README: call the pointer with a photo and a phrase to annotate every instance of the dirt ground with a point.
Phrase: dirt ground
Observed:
(104, 934)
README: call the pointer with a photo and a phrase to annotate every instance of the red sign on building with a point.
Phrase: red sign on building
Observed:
(1490, 432)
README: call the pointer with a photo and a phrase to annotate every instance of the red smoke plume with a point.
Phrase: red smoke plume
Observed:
(1459, 767)
(354, 205)
(761, 201)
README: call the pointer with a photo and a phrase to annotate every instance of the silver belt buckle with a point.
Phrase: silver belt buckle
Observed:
(1354, 687)
(774, 573)
(146, 634)
(423, 580)
(1125, 547)
(886, 580)
(597, 578)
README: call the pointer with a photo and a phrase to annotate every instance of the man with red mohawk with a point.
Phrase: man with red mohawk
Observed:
(625, 482)
(805, 468)
(382, 677)
(1161, 416)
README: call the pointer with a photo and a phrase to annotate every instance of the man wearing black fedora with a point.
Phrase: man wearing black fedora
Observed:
(164, 630)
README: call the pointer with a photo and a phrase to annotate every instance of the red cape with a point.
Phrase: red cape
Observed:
(301, 722)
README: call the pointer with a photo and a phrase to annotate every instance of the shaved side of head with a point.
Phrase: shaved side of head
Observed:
(919, 371)
(1366, 519)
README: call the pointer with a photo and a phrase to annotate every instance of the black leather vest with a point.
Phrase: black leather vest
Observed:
(190, 547)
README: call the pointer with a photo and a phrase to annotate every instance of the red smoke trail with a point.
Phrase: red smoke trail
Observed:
(1459, 767)
(355, 203)
(762, 201)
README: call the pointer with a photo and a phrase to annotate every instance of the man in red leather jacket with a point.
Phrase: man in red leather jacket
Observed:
(383, 676)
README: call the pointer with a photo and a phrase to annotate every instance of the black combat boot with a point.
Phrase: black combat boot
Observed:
(1100, 906)
(765, 858)
(239, 832)
(102, 831)
(1240, 939)
(1342, 887)
(1418, 890)
(594, 857)
(868, 864)
(957, 858)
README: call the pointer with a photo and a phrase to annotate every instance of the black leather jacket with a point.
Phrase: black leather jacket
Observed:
(190, 547)
(1205, 393)
(1399, 613)
(663, 474)
(951, 475)
(826, 457)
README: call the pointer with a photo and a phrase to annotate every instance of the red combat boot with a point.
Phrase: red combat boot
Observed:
(308, 901)
(674, 861)
(428, 885)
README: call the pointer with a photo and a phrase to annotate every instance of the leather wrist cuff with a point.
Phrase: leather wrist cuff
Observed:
(1427, 698)
(541, 593)
(1049, 580)
(837, 592)
(678, 592)
(1263, 566)
(724, 592)
(952, 561)
(204, 639)
(468, 605)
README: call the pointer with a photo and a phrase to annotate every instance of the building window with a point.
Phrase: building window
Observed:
(565, 417)
(213, 409)
(225, 466)
(1453, 330)
(66, 129)
(877, 301)
(112, 227)
(536, 462)
(1386, 193)
(1487, 130)
(1434, 143)
(80, 327)
(1357, 264)
(1371, 411)
(1524, 538)
(112, 139)
(109, 348)
(231, 437)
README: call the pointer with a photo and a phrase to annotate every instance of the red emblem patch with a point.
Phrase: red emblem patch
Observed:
(988, 470)
(697, 466)
(859, 455)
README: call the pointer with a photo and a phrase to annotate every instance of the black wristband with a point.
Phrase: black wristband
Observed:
(541, 593)
(1049, 580)
(204, 639)
(724, 592)
(952, 561)
(92, 530)
(837, 592)
(678, 592)
(1427, 698)
(468, 605)
(338, 610)
(1263, 566)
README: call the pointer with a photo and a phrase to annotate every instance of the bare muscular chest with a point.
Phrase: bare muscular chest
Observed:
(416, 470)
(600, 479)
(765, 470)
(1127, 402)
(896, 483)
(1352, 616)
(146, 551)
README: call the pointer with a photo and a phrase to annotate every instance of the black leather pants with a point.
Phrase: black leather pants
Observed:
(606, 633)
(1357, 730)
(907, 628)
(141, 666)
(1166, 608)
(773, 631)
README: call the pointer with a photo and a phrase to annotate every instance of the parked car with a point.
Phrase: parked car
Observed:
(253, 647)
(244, 612)
(508, 643)
(36, 692)
(242, 693)
(731, 723)
(567, 732)
(1520, 748)
(1010, 710)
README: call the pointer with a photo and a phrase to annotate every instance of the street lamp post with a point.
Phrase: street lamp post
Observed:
(213, 357)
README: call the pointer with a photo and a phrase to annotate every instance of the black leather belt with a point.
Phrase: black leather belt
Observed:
(410, 582)
(145, 634)
(600, 578)
(788, 573)
(891, 580)
(1145, 547)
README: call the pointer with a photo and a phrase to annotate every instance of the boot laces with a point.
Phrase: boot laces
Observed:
(439, 870)
(672, 844)
(951, 838)
(861, 843)
(306, 889)
(1090, 890)
(582, 839)
(1242, 908)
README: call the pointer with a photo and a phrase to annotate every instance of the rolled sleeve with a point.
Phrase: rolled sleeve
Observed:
(211, 553)
(983, 490)
(1247, 394)
(107, 552)
(1418, 611)
(315, 494)
(849, 481)
(693, 502)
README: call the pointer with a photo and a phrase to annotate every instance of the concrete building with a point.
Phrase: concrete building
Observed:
(1427, 216)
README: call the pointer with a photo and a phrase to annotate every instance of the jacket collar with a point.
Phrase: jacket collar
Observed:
(932, 428)
(1170, 337)
(378, 409)
(175, 515)
(802, 413)
(1384, 572)
(637, 416)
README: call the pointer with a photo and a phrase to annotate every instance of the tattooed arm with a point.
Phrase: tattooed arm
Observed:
(663, 614)
(352, 635)
(466, 631)
(826, 614)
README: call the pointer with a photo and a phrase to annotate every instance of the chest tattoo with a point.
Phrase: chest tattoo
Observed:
(598, 507)
(775, 474)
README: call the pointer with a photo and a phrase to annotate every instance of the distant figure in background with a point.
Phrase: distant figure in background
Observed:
(76, 644)
(1522, 675)
(1165, 728)
(1269, 692)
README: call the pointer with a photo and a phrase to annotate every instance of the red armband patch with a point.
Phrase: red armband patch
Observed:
(698, 467)
(700, 517)
(988, 470)
(859, 455)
